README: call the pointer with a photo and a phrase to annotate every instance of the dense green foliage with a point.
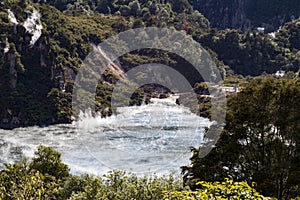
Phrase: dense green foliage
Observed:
(37, 81)
(260, 142)
(254, 53)
(27, 180)
(217, 190)
(47, 161)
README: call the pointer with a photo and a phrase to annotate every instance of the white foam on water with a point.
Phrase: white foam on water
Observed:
(153, 138)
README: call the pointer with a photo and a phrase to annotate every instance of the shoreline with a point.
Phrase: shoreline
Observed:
(6, 126)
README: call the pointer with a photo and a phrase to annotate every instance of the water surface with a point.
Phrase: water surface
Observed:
(153, 138)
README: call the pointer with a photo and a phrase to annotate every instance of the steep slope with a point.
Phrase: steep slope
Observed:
(39, 62)
(42, 48)
(248, 14)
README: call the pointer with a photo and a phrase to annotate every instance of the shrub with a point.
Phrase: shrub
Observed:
(216, 190)
(48, 162)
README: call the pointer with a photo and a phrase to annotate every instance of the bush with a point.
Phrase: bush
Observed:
(216, 190)
(17, 181)
(119, 185)
(48, 162)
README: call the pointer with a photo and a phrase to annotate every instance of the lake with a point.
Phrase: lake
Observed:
(152, 138)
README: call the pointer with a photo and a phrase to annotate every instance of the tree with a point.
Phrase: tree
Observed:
(48, 162)
(288, 36)
(260, 142)
(180, 5)
(105, 6)
(17, 181)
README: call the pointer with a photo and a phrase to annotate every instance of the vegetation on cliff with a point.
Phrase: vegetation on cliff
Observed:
(37, 79)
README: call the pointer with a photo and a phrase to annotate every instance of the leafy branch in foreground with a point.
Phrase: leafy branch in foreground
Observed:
(217, 190)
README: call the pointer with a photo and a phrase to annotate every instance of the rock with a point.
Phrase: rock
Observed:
(247, 14)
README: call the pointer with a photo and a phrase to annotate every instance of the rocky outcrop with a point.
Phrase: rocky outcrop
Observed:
(13, 77)
(247, 14)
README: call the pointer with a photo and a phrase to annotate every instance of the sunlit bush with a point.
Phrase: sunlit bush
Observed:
(217, 190)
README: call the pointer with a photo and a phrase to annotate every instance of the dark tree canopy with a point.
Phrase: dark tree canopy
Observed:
(261, 140)
(48, 162)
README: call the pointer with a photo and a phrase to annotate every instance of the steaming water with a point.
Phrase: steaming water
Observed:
(144, 139)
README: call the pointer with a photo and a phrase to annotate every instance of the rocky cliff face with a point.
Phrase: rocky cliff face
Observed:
(42, 49)
(248, 14)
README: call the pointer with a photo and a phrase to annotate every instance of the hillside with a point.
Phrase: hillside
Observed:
(43, 44)
(38, 66)
(248, 14)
